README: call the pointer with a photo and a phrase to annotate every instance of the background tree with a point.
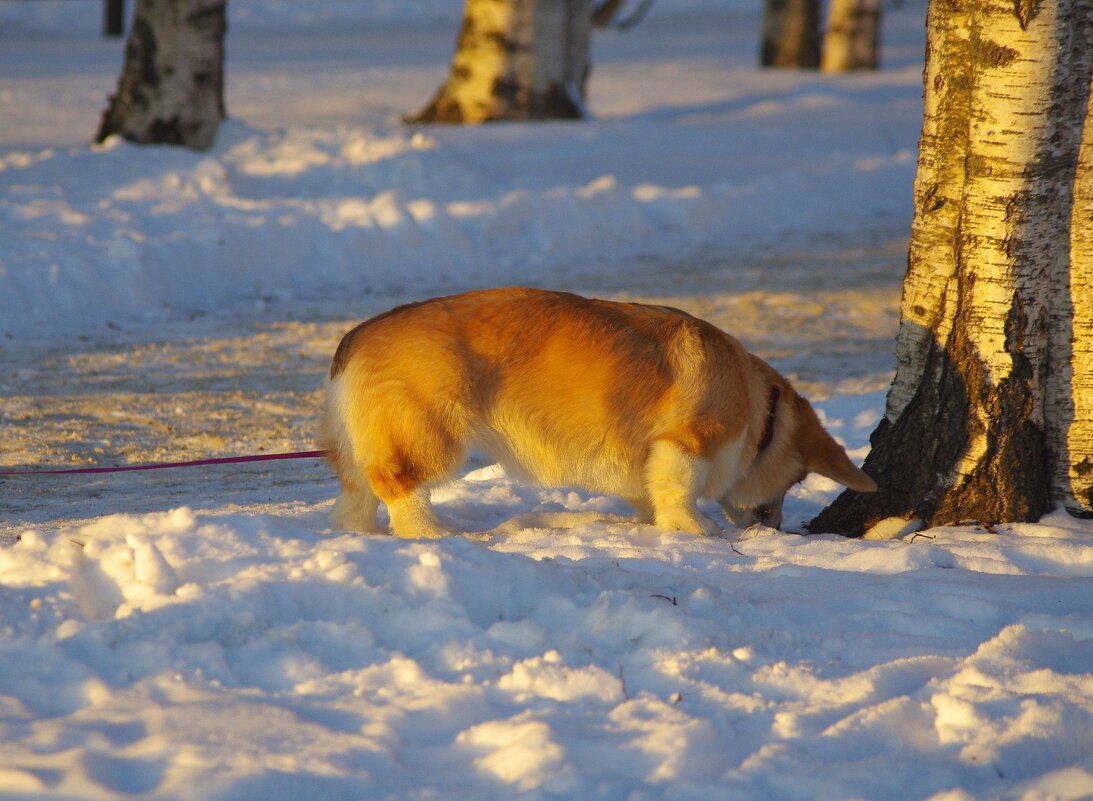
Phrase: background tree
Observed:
(171, 89)
(852, 38)
(113, 17)
(605, 14)
(990, 415)
(516, 60)
(791, 34)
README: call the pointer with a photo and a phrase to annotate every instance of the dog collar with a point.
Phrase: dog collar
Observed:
(772, 407)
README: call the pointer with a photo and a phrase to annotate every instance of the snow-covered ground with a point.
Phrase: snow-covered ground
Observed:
(202, 634)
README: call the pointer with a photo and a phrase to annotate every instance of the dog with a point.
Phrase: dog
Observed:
(644, 402)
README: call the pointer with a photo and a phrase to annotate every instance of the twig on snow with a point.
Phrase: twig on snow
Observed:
(677, 697)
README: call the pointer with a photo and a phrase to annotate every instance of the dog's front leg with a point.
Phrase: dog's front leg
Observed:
(672, 479)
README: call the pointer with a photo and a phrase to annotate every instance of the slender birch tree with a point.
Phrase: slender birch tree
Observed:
(990, 415)
(171, 89)
(791, 34)
(853, 35)
(516, 60)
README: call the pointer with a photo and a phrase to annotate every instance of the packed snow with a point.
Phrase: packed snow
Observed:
(203, 634)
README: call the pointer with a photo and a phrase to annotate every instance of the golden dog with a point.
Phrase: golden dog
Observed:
(644, 402)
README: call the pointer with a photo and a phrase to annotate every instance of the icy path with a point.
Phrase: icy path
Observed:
(249, 381)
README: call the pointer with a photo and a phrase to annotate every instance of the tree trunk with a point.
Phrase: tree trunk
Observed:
(605, 12)
(171, 86)
(516, 60)
(113, 17)
(791, 34)
(988, 418)
(1072, 413)
(853, 33)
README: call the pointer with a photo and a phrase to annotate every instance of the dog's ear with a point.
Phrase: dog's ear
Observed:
(822, 454)
(833, 462)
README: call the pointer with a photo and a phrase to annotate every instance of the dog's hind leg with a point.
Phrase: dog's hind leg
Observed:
(673, 479)
(355, 509)
(407, 498)
(412, 516)
(402, 468)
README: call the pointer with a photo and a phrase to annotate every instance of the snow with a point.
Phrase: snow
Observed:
(225, 654)
(204, 634)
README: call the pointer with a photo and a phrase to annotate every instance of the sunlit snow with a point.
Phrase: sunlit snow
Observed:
(204, 634)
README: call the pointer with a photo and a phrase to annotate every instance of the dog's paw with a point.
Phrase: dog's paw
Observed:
(422, 534)
(686, 521)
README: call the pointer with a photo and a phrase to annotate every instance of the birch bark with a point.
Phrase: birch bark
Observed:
(171, 89)
(516, 60)
(993, 362)
(852, 38)
(791, 34)
(1072, 435)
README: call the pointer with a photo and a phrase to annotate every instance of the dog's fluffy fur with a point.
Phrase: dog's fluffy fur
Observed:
(644, 402)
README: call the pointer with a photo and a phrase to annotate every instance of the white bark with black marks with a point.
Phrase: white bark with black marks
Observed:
(853, 35)
(1071, 409)
(988, 418)
(516, 60)
(791, 34)
(171, 87)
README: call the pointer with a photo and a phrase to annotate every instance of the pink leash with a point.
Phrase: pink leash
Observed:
(267, 457)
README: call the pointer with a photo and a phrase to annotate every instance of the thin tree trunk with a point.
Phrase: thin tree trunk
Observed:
(605, 13)
(853, 35)
(982, 377)
(791, 34)
(516, 60)
(113, 17)
(171, 86)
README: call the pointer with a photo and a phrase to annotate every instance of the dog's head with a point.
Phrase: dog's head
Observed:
(795, 445)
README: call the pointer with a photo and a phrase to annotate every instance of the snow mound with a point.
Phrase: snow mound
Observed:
(219, 655)
(125, 232)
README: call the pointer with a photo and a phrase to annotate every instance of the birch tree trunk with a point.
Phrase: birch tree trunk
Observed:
(988, 418)
(852, 38)
(171, 86)
(1072, 412)
(516, 60)
(791, 34)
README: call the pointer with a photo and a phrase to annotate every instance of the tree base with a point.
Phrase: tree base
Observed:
(921, 462)
(512, 103)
